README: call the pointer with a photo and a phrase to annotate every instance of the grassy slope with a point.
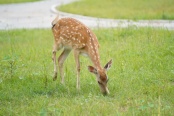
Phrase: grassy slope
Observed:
(15, 1)
(123, 9)
(141, 77)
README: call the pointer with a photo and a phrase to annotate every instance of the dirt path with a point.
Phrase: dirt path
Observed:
(107, 23)
(28, 15)
(40, 14)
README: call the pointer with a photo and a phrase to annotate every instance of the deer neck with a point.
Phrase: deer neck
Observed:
(94, 55)
(96, 62)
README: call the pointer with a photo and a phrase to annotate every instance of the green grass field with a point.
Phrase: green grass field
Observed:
(141, 77)
(15, 1)
(122, 9)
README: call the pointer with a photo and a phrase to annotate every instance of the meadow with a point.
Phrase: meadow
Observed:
(122, 9)
(141, 79)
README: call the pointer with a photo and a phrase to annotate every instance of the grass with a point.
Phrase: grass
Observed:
(15, 1)
(141, 77)
(122, 9)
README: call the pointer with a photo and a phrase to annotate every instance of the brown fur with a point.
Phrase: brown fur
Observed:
(71, 34)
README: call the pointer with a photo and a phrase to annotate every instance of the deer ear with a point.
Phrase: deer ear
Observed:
(92, 69)
(108, 65)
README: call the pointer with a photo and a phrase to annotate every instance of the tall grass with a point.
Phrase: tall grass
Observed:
(141, 77)
(122, 9)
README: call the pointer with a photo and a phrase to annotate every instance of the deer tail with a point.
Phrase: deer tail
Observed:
(55, 21)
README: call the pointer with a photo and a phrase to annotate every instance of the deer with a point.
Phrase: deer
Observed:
(71, 34)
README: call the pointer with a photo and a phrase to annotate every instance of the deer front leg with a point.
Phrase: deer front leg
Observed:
(61, 60)
(76, 55)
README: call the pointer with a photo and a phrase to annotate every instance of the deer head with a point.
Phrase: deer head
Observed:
(101, 76)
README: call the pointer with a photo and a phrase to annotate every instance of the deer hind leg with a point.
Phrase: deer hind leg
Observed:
(54, 61)
(55, 67)
(76, 55)
(56, 47)
(61, 60)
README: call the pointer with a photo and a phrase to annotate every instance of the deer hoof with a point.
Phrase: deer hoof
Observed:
(55, 77)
